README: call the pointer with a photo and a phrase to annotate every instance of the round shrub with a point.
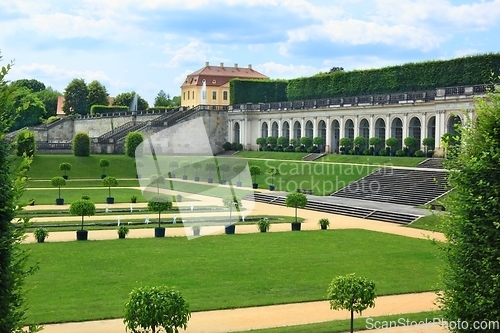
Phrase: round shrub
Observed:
(382, 152)
(366, 152)
(81, 144)
(132, 141)
(400, 153)
(419, 153)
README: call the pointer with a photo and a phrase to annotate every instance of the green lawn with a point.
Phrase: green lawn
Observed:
(270, 155)
(429, 222)
(82, 183)
(97, 195)
(91, 280)
(376, 160)
(360, 324)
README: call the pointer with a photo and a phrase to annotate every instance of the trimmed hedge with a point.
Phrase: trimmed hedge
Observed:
(409, 77)
(257, 91)
(101, 109)
(25, 143)
(81, 144)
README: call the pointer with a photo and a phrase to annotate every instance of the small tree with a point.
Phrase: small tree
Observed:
(227, 146)
(196, 166)
(150, 309)
(283, 141)
(25, 143)
(254, 172)
(58, 182)
(345, 144)
(271, 141)
(224, 168)
(261, 142)
(110, 182)
(159, 203)
(210, 167)
(429, 143)
(157, 180)
(392, 143)
(375, 142)
(296, 200)
(306, 141)
(81, 144)
(184, 165)
(65, 167)
(352, 293)
(231, 202)
(411, 143)
(238, 169)
(359, 142)
(293, 142)
(173, 165)
(82, 208)
(103, 164)
(273, 172)
(132, 141)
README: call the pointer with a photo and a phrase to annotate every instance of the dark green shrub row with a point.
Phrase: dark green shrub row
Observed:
(257, 91)
(100, 109)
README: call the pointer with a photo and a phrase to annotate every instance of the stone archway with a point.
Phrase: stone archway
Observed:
(415, 130)
(236, 133)
(380, 130)
(397, 131)
(453, 122)
(349, 129)
(285, 130)
(322, 133)
(275, 130)
(335, 136)
(364, 131)
(309, 130)
(431, 127)
(264, 130)
(297, 132)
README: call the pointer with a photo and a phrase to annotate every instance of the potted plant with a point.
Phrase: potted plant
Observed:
(157, 180)
(82, 208)
(210, 167)
(40, 234)
(196, 166)
(231, 202)
(254, 172)
(323, 223)
(103, 164)
(110, 182)
(58, 182)
(133, 199)
(429, 144)
(263, 224)
(156, 309)
(238, 169)
(345, 144)
(178, 198)
(272, 171)
(65, 167)
(411, 143)
(31, 202)
(122, 231)
(224, 169)
(173, 165)
(184, 165)
(359, 143)
(296, 200)
(196, 229)
(392, 143)
(138, 164)
(159, 203)
(375, 143)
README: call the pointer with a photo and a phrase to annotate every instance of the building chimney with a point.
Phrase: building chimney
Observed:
(250, 66)
(221, 64)
(207, 64)
(235, 65)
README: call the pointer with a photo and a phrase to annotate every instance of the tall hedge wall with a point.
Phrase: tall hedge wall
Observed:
(96, 109)
(403, 78)
(257, 91)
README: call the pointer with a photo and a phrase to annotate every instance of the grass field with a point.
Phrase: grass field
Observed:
(94, 278)
(270, 155)
(376, 160)
(429, 222)
(97, 195)
(360, 324)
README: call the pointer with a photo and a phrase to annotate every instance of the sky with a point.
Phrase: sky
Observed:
(152, 45)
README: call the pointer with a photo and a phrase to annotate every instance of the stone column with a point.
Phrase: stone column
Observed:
(356, 126)
(405, 127)
(328, 139)
(372, 128)
(342, 128)
(388, 124)
(423, 128)
(230, 133)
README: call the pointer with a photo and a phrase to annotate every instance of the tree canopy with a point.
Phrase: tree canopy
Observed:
(75, 97)
(125, 99)
(97, 94)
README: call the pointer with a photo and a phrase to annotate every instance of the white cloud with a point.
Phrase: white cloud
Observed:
(193, 52)
(281, 71)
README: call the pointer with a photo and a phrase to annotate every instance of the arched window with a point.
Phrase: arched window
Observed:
(415, 130)
(285, 130)
(274, 129)
(265, 130)
(236, 133)
(349, 129)
(309, 129)
(297, 131)
(397, 131)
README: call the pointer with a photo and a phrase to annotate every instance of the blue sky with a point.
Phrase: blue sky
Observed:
(151, 45)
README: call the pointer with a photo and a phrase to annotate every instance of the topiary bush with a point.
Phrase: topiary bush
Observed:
(400, 153)
(25, 143)
(419, 153)
(132, 141)
(81, 144)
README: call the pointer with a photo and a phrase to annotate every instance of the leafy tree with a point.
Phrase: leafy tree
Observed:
(345, 142)
(82, 208)
(30, 109)
(410, 142)
(58, 182)
(261, 142)
(196, 166)
(359, 142)
(65, 167)
(33, 85)
(13, 257)
(132, 141)
(471, 287)
(224, 168)
(176, 101)
(273, 172)
(81, 144)
(184, 165)
(159, 203)
(162, 99)
(238, 169)
(306, 141)
(230, 202)
(429, 142)
(103, 164)
(318, 141)
(296, 200)
(254, 172)
(110, 182)
(25, 143)
(271, 140)
(352, 293)
(227, 146)
(283, 141)
(97, 94)
(49, 98)
(125, 99)
(210, 167)
(75, 97)
(157, 180)
(393, 143)
(149, 309)
(375, 141)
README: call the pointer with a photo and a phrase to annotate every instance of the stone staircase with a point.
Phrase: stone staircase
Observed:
(431, 163)
(321, 206)
(412, 187)
(119, 132)
(313, 156)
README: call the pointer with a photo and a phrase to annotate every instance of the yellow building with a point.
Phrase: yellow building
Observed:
(215, 81)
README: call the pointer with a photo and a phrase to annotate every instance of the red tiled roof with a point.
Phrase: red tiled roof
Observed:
(219, 75)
